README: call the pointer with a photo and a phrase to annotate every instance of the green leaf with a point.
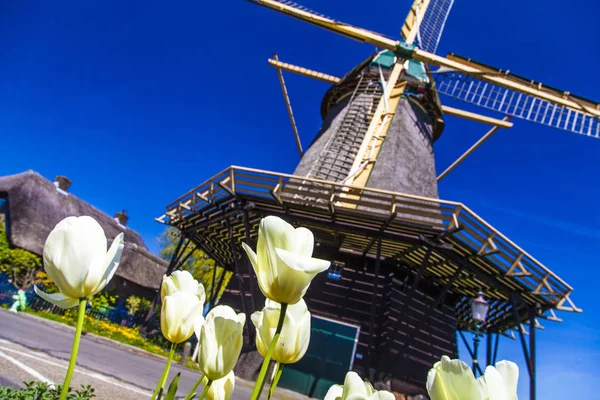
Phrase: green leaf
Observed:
(173, 388)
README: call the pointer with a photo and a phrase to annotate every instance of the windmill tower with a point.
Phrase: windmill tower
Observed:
(406, 265)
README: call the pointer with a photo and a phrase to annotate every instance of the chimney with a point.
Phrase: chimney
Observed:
(62, 182)
(121, 217)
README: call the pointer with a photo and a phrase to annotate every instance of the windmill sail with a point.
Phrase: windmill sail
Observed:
(432, 26)
(520, 105)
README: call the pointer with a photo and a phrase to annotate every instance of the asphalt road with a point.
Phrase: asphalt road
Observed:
(45, 348)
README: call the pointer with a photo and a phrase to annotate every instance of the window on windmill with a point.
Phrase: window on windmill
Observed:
(335, 271)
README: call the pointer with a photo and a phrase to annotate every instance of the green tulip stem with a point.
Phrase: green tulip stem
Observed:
(205, 391)
(278, 372)
(265, 365)
(165, 374)
(191, 394)
(74, 350)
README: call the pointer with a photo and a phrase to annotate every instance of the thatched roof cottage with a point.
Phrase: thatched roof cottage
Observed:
(34, 205)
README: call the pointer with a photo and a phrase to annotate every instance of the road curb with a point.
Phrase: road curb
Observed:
(96, 338)
(281, 394)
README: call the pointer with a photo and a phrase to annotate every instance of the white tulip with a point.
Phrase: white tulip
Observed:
(283, 262)
(499, 383)
(355, 389)
(76, 260)
(221, 340)
(295, 333)
(181, 281)
(182, 306)
(221, 389)
(452, 380)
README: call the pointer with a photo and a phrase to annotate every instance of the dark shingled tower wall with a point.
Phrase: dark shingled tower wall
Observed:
(405, 163)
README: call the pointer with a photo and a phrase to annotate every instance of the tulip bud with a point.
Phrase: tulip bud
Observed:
(180, 316)
(76, 260)
(499, 382)
(221, 389)
(452, 379)
(221, 340)
(181, 281)
(283, 260)
(355, 389)
(295, 333)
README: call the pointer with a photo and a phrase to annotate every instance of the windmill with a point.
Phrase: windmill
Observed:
(406, 265)
(355, 154)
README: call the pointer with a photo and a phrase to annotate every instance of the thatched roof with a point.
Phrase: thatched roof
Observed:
(35, 206)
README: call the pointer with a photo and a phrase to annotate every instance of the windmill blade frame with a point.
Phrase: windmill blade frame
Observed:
(517, 104)
(432, 26)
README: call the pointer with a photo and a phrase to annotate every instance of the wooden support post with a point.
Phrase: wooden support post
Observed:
(219, 287)
(407, 300)
(471, 150)
(170, 268)
(488, 348)
(288, 106)
(497, 342)
(471, 353)
(532, 380)
(251, 275)
(374, 307)
(238, 274)
(426, 317)
(176, 255)
(522, 337)
(212, 286)
(187, 256)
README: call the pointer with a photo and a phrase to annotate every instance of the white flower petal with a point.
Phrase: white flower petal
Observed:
(495, 385)
(58, 299)
(302, 242)
(382, 395)
(112, 261)
(302, 263)
(453, 380)
(335, 392)
(354, 385)
(510, 374)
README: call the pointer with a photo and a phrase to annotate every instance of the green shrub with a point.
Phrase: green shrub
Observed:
(41, 391)
(103, 300)
(137, 305)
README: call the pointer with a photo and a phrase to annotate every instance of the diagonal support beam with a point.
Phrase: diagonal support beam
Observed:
(471, 150)
(288, 106)
(471, 116)
(309, 73)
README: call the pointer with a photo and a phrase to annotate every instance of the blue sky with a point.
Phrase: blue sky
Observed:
(138, 102)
